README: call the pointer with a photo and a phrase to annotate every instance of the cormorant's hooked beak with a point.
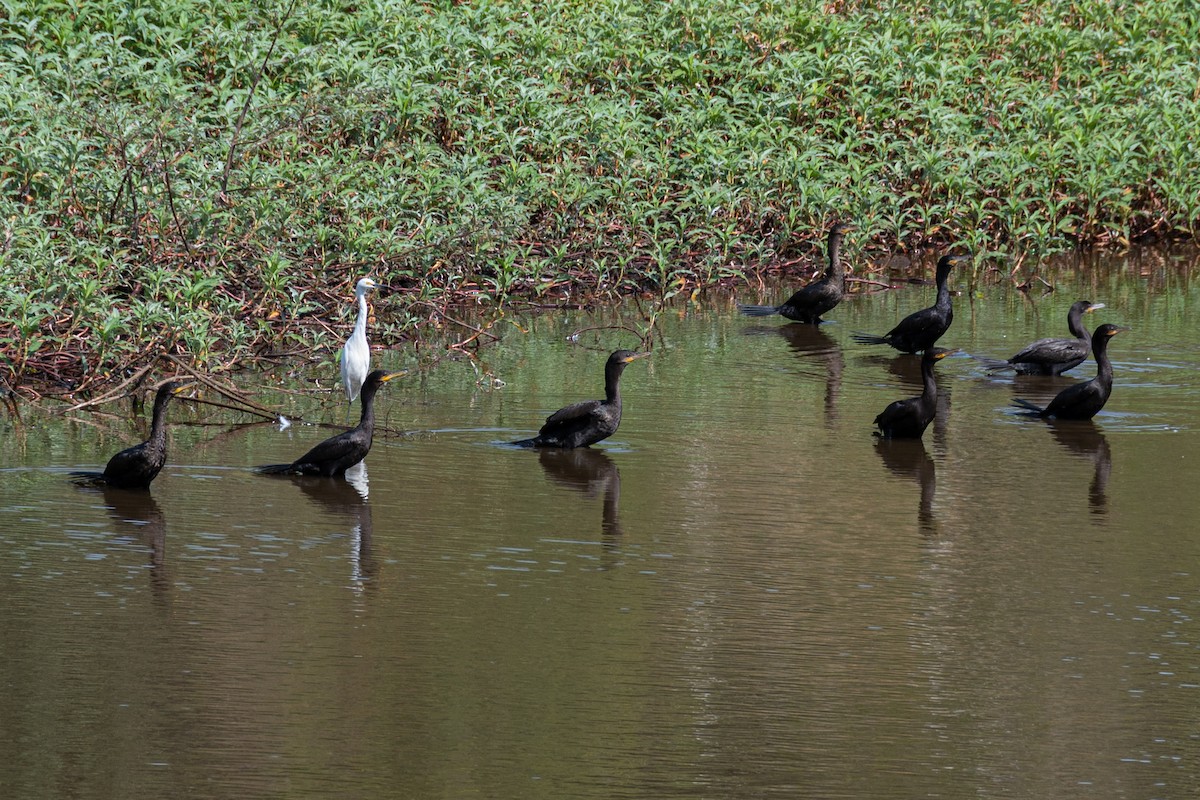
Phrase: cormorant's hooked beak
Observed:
(389, 376)
(182, 387)
(1117, 329)
(635, 357)
(1093, 307)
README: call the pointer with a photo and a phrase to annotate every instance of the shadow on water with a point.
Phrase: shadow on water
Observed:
(908, 458)
(590, 472)
(1086, 440)
(813, 344)
(139, 510)
(347, 497)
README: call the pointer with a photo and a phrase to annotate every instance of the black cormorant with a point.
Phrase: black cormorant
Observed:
(908, 419)
(921, 329)
(588, 422)
(1082, 400)
(819, 297)
(1052, 356)
(136, 467)
(338, 453)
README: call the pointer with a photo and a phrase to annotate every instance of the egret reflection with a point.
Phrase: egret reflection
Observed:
(347, 497)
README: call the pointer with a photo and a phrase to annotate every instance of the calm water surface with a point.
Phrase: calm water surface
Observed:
(742, 594)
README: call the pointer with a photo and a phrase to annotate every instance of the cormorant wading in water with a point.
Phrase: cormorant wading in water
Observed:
(908, 419)
(819, 297)
(1052, 356)
(588, 422)
(338, 453)
(921, 329)
(136, 467)
(1082, 400)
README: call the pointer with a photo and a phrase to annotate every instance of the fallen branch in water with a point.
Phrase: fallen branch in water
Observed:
(115, 393)
(227, 406)
(869, 282)
(226, 390)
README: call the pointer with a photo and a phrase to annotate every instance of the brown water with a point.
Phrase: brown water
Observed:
(742, 594)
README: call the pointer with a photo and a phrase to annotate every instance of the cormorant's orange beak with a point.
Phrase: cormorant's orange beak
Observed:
(1093, 307)
(635, 357)
(389, 376)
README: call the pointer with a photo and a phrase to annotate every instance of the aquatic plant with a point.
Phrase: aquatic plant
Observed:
(218, 176)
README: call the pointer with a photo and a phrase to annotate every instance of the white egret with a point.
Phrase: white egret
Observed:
(356, 353)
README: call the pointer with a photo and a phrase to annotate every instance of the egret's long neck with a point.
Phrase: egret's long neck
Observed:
(360, 325)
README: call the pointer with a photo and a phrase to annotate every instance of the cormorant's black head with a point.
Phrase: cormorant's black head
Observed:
(172, 388)
(1108, 330)
(953, 260)
(380, 377)
(623, 357)
(937, 353)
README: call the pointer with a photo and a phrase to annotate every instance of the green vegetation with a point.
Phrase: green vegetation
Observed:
(209, 179)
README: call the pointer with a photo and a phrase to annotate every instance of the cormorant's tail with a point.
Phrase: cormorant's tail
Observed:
(994, 365)
(1028, 406)
(525, 443)
(88, 479)
(868, 338)
(758, 311)
(274, 469)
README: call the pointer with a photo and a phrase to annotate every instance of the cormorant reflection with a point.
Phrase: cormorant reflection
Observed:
(590, 472)
(1084, 439)
(348, 497)
(908, 458)
(138, 509)
(813, 344)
